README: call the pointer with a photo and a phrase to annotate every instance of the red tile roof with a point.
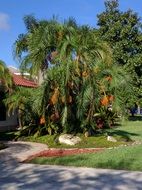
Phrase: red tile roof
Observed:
(21, 81)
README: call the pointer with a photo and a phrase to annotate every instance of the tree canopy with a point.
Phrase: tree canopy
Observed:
(123, 32)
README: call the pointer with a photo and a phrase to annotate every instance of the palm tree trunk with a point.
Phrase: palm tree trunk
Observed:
(20, 119)
(40, 77)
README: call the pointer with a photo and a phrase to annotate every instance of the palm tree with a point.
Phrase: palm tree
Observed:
(71, 89)
(19, 99)
(80, 75)
(5, 76)
(37, 44)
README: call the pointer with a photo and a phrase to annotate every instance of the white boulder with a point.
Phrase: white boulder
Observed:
(69, 139)
(112, 139)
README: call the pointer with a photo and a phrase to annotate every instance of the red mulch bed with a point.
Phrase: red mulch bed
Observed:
(64, 152)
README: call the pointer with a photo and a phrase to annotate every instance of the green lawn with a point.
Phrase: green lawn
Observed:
(133, 129)
(99, 141)
(127, 158)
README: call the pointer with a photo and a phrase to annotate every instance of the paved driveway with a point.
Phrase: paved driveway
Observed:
(35, 177)
(19, 176)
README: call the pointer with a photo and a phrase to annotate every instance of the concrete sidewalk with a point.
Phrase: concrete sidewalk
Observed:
(20, 150)
(40, 177)
(19, 176)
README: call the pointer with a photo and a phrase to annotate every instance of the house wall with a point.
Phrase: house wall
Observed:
(10, 123)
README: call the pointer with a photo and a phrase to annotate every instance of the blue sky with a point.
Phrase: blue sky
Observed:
(12, 12)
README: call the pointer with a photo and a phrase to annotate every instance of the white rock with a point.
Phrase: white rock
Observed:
(69, 139)
(112, 139)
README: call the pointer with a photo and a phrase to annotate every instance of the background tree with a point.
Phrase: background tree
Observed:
(122, 31)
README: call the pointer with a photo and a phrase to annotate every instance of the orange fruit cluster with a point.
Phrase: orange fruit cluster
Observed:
(54, 98)
(106, 100)
(42, 120)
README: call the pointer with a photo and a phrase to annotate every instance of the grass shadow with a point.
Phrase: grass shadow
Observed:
(135, 118)
(123, 133)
